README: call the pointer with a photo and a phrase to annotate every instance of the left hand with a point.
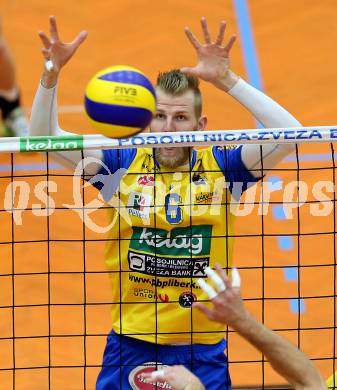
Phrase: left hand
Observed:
(179, 377)
(213, 58)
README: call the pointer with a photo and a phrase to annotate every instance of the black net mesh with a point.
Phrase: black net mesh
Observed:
(56, 294)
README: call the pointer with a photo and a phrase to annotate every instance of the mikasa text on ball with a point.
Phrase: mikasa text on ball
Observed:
(120, 101)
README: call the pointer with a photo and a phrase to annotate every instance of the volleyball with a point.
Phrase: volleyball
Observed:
(120, 101)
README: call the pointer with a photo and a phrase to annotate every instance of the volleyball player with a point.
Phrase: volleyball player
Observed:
(228, 309)
(13, 117)
(162, 254)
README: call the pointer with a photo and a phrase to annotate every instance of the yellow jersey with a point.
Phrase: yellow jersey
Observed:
(332, 381)
(168, 226)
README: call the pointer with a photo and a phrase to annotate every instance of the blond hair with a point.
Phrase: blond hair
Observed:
(175, 83)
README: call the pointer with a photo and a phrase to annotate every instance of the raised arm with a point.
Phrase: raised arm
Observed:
(44, 111)
(214, 66)
(284, 357)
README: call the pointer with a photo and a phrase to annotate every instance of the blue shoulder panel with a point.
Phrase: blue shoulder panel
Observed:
(117, 161)
(235, 171)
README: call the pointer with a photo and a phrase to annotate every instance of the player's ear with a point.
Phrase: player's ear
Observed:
(202, 123)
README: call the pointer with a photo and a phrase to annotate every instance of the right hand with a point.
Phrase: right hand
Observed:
(179, 377)
(228, 307)
(56, 50)
(213, 57)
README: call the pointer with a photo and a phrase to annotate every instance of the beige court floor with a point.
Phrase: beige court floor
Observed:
(296, 48)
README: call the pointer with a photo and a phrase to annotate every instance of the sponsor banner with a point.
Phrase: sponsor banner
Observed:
(137, 382)
(179, 242)
(206, 138)
(167, 266)
(218, 137)
(38, 144)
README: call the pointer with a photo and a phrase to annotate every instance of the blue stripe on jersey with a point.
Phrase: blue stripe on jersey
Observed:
(235, 171)
(129, 77)
(115, 114)
(114, 159)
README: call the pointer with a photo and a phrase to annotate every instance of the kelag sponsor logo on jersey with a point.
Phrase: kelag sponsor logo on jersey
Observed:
(180, 252)
(186, 241)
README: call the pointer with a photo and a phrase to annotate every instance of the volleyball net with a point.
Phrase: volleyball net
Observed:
(56, 296)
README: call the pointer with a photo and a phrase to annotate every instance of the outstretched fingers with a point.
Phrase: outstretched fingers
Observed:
(221, 33)
(217, 280)
(192, 38)
(230, 43)
(236, 279)
(53, 29)
(223, 275)
(81, 37)
(234, 282)
(207, 288)
(205, 30)
(45, 40)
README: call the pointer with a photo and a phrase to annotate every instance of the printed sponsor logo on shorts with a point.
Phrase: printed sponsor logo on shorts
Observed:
(137, 382)
(48, 143)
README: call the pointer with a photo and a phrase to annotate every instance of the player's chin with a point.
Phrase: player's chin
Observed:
(172, 157)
